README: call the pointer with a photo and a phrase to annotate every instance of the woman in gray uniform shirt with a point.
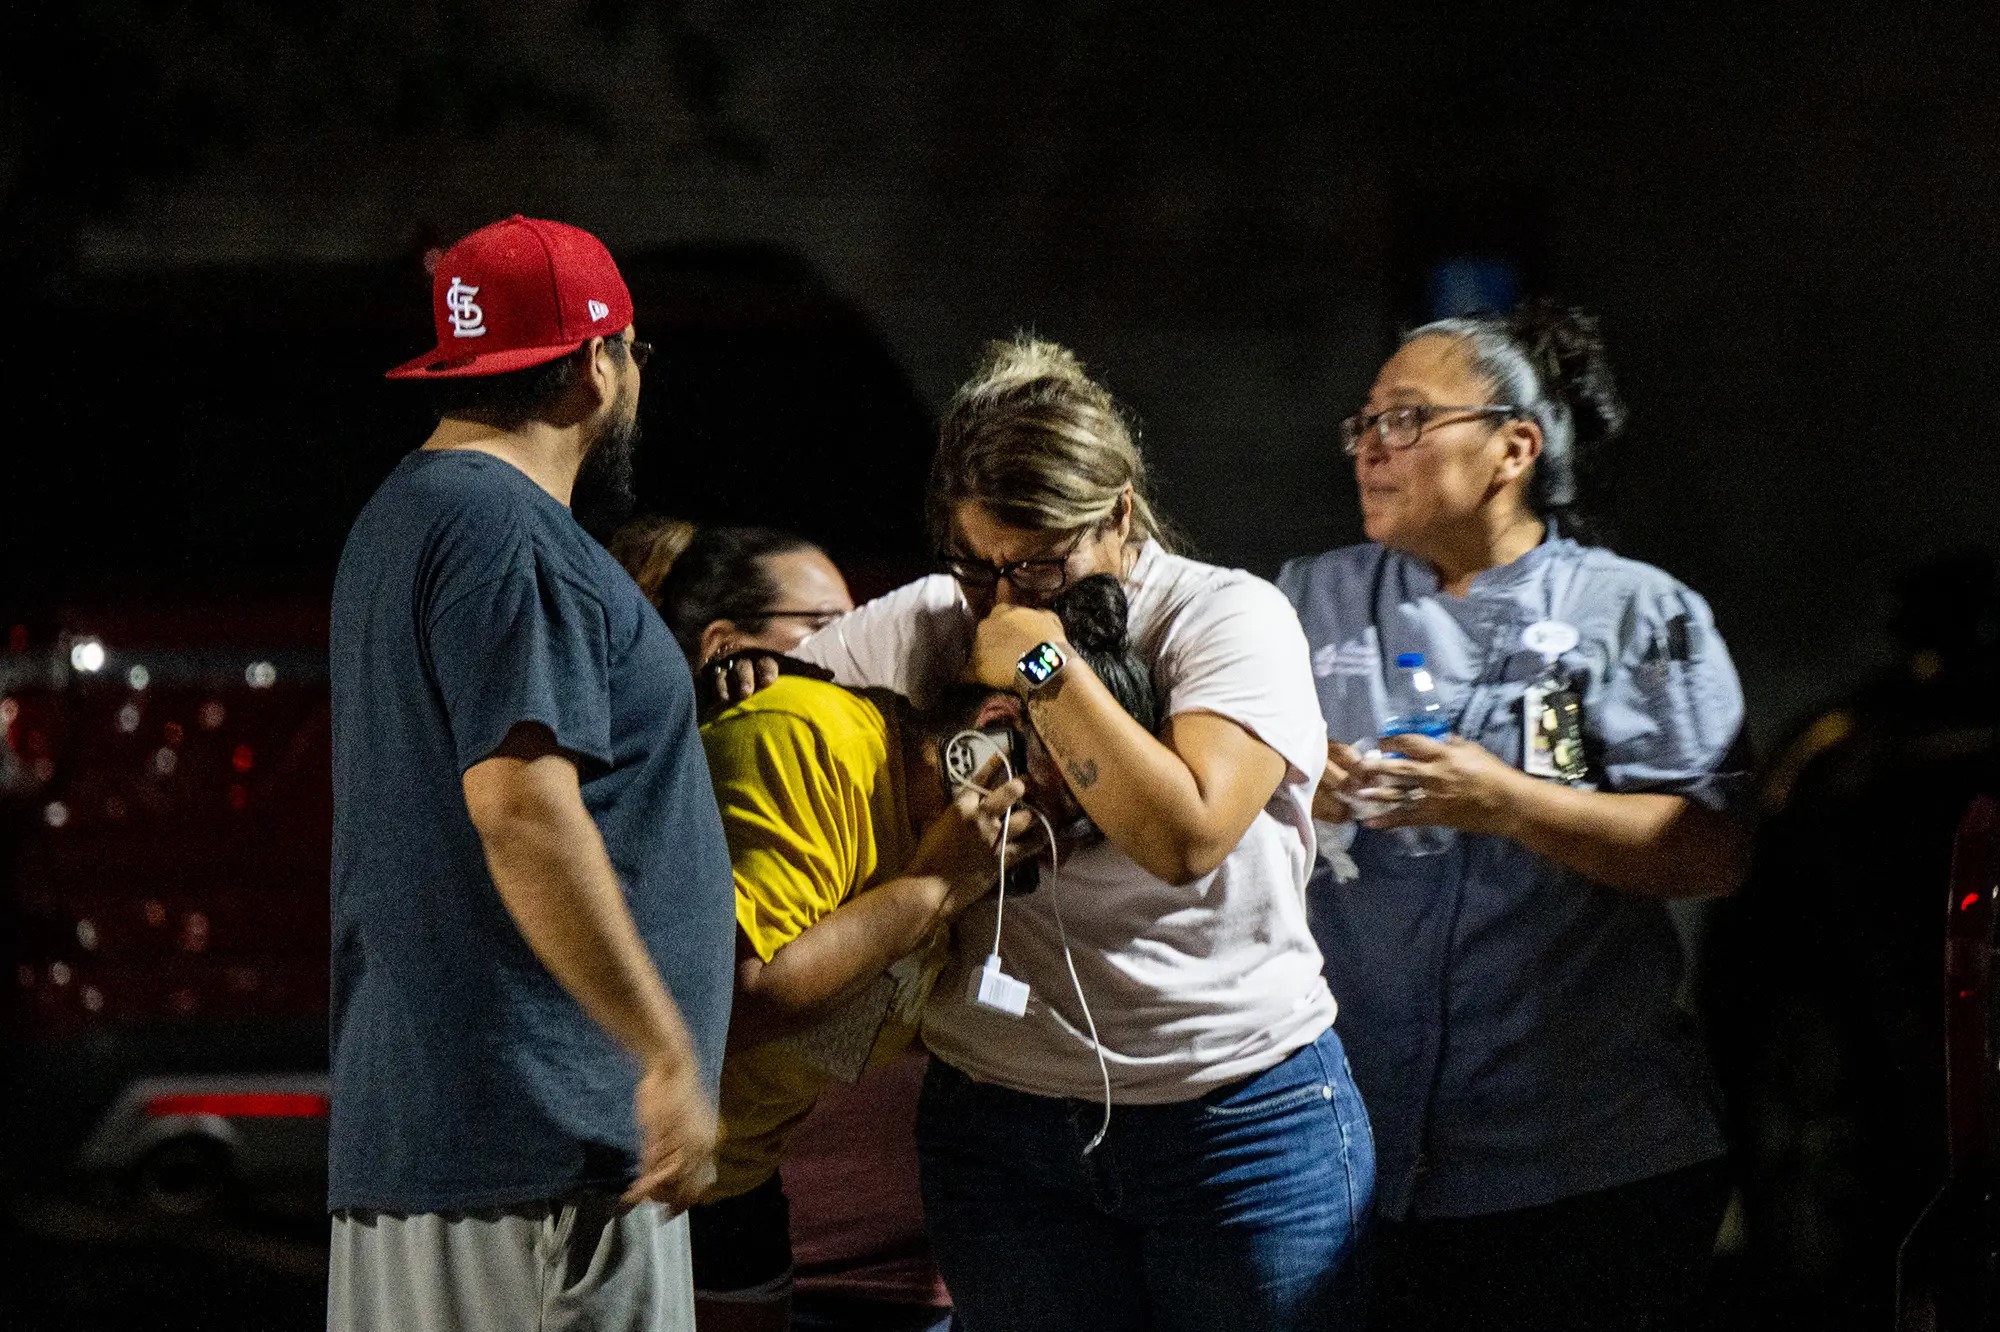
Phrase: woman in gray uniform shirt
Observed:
(1548, 1141)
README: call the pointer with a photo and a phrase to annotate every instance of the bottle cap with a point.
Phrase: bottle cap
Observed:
(1409, 660)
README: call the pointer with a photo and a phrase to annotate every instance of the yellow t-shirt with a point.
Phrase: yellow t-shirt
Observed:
(810, 781)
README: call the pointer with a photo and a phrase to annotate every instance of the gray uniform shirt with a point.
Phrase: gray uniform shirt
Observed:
(1512, 1025)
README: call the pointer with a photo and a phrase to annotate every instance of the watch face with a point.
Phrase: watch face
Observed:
(1041, 663)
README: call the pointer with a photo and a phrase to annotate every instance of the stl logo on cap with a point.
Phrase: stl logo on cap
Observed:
(467, 319)
(538, 279)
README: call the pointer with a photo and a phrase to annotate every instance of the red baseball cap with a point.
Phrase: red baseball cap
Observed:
(519, 293)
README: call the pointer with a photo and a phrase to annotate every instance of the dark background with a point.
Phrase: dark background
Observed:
(213, 218)
(1785, 215)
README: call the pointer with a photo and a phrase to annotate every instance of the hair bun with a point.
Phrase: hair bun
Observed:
(1023, 359)
(1036, 369)
(1567, 349)
(1093, 613)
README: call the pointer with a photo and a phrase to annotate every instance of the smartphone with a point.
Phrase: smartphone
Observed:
(960, 759)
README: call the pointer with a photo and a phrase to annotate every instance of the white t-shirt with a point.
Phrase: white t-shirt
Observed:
(1192, 986)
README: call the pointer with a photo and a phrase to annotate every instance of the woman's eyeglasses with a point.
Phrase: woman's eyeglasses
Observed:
(1401, 427)
(1034, 578)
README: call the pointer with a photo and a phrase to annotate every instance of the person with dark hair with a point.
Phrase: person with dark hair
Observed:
(468, 379)
(738, 588)
(856, 843)
(1550, 1153)
(857, 1224)
(1137, 1114)
(530, 889)
(735, 598)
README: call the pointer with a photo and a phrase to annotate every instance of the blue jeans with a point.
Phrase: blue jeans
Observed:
(1241, 1209)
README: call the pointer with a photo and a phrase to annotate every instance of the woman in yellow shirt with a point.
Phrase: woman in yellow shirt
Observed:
(851, 858)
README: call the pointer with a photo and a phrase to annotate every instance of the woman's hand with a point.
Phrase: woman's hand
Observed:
(962, 845)
(954, 866)
(734, 676)
(731, 677)
(1006, 636)
(1340, 776)
(1450, 782)
(1643, 843)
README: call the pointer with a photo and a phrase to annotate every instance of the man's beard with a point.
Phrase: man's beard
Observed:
(603, 496)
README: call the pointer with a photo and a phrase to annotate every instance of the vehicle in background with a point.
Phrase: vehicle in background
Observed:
(1948, 1268)
(165, 782)
(189, 1144)
(1826, 983)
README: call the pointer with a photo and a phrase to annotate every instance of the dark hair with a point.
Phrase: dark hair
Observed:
(1093, 613)
(512, 400)
(721, 576)
(1548, 359)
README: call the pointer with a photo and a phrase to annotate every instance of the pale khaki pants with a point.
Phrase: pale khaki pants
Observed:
(587, 1264)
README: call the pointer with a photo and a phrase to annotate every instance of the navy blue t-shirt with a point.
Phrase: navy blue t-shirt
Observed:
(464, 1075)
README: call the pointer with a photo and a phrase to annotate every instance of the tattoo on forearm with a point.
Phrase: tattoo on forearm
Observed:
(1082, 772)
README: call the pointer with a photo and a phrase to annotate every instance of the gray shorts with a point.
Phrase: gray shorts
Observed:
(588, 1263)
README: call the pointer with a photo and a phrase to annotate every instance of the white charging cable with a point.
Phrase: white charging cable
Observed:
(1076, 983)
(964, 755)
(992, 987)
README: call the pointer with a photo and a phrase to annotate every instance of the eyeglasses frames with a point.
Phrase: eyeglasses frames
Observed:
(1035, 578)
(1400, 428)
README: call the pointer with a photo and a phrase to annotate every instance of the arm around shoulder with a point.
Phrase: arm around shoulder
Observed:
(912, 640)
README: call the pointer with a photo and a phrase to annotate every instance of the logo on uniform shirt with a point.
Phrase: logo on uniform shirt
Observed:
(1346, 660)
(598, 309)
(467, 319)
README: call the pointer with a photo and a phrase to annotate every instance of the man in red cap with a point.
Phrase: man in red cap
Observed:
(533, 917)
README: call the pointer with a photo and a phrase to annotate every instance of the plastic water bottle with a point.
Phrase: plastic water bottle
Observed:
(1424, 717)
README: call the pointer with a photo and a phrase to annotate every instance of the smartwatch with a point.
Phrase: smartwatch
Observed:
(1039, 665)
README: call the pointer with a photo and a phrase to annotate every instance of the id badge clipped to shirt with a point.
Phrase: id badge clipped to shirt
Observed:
(1552, 711)
(1552, 720)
